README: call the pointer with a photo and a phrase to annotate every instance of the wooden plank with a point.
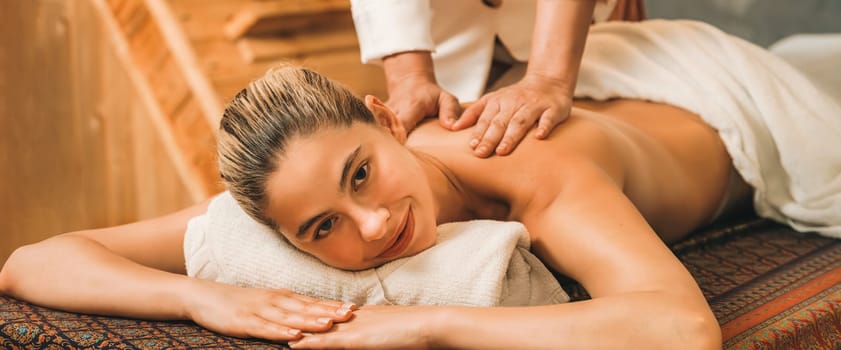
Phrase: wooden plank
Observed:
(198, 141)
(162, 122)
(169, 87)
(50, 170)
(204, 19)
(126, 14)
(146, 44)
(284, 16)
(142, 181)
(299, 45)
(343, 66)
(181, 49)
(78, 150)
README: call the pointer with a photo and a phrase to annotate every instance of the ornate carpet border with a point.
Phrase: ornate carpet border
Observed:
(814, 323)
(770, 286)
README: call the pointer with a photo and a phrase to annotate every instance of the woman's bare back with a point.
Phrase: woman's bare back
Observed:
(668, 162)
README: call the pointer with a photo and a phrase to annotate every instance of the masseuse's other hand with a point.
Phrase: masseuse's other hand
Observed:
(272, 314)
(380, 327)
(503, 117)
(417, 98)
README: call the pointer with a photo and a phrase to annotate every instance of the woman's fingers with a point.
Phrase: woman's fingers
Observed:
(392, 327)
(275, 314)
(287, 314)
(341, 310)
(300, 321)
(265, 329)
(309, 299)
(313, 307)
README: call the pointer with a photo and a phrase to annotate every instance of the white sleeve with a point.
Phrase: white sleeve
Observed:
(385, 27)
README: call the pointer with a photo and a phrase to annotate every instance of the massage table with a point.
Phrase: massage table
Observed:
(769, 286)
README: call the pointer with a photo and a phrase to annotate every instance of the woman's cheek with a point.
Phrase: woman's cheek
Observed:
(343, 256)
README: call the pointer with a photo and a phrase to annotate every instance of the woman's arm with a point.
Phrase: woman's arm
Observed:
(642, 296)
(137, 270)
(99, 271)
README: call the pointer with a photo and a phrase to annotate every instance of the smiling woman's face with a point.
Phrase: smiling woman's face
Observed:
(354, 197)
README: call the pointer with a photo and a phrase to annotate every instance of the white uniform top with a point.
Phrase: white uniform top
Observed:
(459, 33)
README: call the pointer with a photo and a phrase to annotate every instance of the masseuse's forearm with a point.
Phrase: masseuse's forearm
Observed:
(560, 31)
(643, 320)
(408, 66)
(78, 274)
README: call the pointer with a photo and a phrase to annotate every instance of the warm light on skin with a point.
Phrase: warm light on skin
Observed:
(383, 180)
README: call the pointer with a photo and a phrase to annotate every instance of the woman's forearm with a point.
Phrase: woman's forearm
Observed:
(643, 320)
(560, 31)
(78, 274)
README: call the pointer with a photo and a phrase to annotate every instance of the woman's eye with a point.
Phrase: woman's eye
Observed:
(360, 176)
(324, 229)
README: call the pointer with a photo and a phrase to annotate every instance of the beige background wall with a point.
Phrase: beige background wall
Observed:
(75, 148)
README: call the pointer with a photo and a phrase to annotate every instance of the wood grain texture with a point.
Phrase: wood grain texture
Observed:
(76, 149)
(164, 72)
(315, 34)
(268, 17)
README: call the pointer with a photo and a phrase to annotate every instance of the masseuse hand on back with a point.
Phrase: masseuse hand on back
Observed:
(503, 117)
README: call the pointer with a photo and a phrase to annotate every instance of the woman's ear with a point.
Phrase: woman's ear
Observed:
(386, 118)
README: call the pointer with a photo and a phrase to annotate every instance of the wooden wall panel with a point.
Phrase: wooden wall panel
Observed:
(314, 34)
(108, 108)
(76, 148)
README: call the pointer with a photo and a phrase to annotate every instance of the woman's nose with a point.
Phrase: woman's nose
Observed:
(373, 223)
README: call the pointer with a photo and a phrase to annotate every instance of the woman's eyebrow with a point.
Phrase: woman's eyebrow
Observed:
(302, 230)
(351, 158)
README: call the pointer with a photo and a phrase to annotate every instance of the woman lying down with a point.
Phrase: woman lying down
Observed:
(682, 124)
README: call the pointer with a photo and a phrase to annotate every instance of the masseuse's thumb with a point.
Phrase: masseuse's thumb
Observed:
(470, 115)
(448, 110)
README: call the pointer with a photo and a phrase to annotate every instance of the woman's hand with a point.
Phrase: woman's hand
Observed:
(503, 117)
(379, 327)
(416, 98)
(273, 314)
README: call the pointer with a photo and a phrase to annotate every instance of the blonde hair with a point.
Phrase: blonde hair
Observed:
(261, 119)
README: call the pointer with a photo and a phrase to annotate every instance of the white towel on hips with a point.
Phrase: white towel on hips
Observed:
(783, 134)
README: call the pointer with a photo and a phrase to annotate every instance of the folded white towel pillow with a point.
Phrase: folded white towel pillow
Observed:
(476, 263)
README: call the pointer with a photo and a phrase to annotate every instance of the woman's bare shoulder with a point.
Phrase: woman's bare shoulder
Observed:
(536, 170)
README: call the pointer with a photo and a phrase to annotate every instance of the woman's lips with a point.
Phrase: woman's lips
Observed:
(404, 237)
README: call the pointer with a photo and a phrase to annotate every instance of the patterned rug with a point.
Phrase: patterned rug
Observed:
(769, 287)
